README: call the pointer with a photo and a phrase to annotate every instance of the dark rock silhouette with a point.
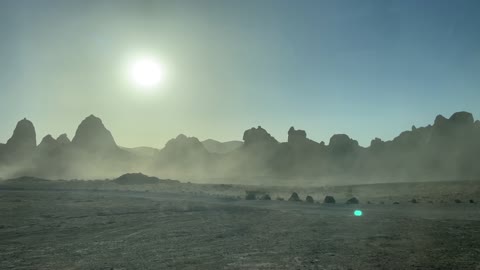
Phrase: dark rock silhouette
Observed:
(352, 201)
(413, 201)
(93, 136)
(462, 118)
(342, 144)
(258, 135)
(309, 199)
(329, 199)
(448, 149)
(141, 179)
(265, 197)
(48, 144)
(294, 197)
(22, 143)
(63, 139)
(296, 135)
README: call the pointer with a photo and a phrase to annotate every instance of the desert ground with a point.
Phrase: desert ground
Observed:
(190, 226)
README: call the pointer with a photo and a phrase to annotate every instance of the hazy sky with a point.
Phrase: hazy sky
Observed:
(364, 68)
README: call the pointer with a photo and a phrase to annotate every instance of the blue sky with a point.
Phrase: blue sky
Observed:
(364, 68)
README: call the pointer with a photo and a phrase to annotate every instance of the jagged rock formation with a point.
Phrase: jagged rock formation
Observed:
(22, 143)
(93, 136)
(48, 144)
(63, 139)
(294, 197)
(183, 147)
(448, 149)
(256, 136)
(341, 144)
(183, 156)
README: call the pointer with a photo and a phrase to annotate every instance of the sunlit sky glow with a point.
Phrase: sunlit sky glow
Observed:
(364, 68)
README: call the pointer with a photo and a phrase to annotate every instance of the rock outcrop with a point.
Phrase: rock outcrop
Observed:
(329, 199)
(63, 139)
(21, 144)
(258, 135)
(93, 136)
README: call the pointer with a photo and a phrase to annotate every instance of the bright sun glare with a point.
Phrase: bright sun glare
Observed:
(146, 73)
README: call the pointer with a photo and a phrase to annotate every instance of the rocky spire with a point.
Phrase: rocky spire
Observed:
(92, 135)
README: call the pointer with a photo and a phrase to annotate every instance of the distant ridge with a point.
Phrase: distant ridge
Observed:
(214, 146)
(448, 149)
(141, 179)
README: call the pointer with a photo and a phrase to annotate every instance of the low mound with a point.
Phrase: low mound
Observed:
(309, 199)
(353, 201)
(329, 199)
(141, 179)
(294, 197)
(24, 179)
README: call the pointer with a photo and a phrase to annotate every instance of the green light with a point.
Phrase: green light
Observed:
(358, 213)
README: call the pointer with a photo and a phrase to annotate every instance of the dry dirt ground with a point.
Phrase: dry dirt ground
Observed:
(146, 230)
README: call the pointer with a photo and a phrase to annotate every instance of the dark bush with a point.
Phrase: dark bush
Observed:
(458, 201)
(413, 201)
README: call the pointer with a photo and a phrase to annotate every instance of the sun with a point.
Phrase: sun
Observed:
(146, 73)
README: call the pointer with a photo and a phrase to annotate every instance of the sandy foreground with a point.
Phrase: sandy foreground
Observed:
(48, 229)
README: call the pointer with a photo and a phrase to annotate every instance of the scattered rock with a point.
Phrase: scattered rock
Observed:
(329, 199)
(92, 135)
(250, 195)
(266, 197)
(294, 197)
(309, 199)
(257, 135)
(352, 201)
